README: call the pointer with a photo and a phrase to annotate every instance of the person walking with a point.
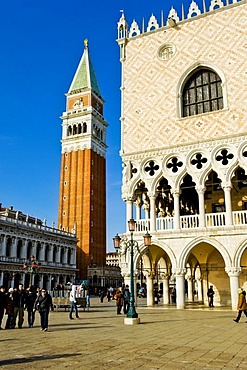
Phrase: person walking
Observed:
(101, 296)
(210, 296)
(30, 301)
(126, 297)
(10, 322)
(3, 303)
(88, 294)
(43, 303)
(242, 305)
(19, 297)
(73, 303)
(119, 301)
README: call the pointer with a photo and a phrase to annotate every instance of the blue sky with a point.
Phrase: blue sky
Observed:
(41, 45)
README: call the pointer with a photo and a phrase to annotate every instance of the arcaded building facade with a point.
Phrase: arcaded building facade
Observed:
(184, 150)
(33, 253)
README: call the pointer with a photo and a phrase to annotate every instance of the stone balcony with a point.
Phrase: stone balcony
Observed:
(191, 222)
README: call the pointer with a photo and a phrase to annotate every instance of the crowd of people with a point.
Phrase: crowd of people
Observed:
(16, 301)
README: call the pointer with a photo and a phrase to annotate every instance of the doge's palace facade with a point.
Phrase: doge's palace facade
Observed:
(184, 150)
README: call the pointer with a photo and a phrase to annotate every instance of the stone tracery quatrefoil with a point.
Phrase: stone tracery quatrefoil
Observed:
(224, 157)
(198, 161)
(133, 169)
(151, 168)
(174, 164)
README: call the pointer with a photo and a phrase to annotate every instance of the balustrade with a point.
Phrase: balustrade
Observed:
(192, 221)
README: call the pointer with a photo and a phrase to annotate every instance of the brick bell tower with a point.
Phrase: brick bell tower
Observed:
(82, 200)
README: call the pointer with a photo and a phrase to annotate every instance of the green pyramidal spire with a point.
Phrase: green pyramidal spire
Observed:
(85, 77)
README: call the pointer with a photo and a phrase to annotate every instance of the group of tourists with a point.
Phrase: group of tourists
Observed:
(122, 297)
(15, 301)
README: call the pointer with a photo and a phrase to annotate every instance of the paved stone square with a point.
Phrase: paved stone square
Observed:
(166, 339)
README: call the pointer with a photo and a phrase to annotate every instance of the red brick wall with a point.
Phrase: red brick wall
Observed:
(85, 203)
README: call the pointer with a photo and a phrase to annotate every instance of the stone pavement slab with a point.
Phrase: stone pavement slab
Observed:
(166, 339)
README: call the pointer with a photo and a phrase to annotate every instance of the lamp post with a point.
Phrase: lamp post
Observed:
(31, 267)
(132, 316)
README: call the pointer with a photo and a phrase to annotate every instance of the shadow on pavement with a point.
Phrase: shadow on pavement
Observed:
(35, 358)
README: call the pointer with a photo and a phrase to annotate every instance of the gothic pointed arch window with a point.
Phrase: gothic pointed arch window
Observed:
(202, 93)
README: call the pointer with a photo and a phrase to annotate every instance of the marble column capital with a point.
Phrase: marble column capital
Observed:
(180, 272)
(233, 271)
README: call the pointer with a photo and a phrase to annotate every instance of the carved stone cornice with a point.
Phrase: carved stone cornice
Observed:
(162, 152)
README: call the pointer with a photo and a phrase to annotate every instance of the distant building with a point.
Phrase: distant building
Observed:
(112, 259)
(105, 276)
(82, 202)
(33, 253)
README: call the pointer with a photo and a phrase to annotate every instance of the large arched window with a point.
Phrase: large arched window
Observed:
(202, 93)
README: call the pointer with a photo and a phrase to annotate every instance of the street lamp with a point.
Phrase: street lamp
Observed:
(31, 267)
(132, 316)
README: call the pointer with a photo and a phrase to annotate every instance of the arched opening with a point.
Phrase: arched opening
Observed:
(6, 280)
(69, 257)
(54, 254)
(36, 281)
(205, 267)
(69, 131)
(164, 199)
(46, 252)
(45, 282)
(38, 250)
(29, 250)
(8, 247)
(62, 255)
(239, 197)
(202, 92)
(142, 209)
(19, 249)
(189, 204)
(84, 127)
(154, 275)
(17, 280)
(214, 201)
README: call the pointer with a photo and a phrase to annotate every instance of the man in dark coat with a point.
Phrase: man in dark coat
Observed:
(30, 301)
(126, 299)
(19, 298)
(43, 303)
(211, 296)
